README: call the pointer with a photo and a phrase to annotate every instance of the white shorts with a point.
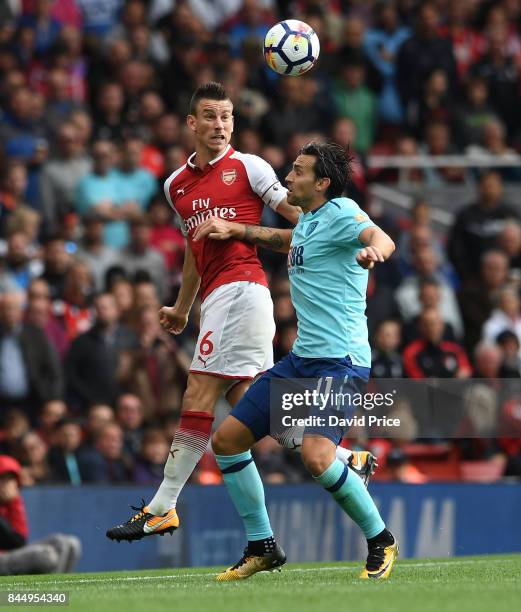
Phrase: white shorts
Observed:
(237, 329)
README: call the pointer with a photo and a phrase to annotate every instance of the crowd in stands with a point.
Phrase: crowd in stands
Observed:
(93, 97)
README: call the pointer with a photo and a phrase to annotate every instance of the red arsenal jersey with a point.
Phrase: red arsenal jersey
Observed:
(234, 186)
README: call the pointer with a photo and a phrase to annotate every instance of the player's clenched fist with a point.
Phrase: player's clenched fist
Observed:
(218, 229)
(368, 256)
(172, 320)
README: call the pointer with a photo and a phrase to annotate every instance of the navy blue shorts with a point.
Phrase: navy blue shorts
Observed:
(253, 410)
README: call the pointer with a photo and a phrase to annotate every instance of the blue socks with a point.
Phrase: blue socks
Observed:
(245, 488)
(351, 495)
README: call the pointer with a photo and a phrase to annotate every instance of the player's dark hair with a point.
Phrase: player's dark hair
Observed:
(331, 161)
(208, 91)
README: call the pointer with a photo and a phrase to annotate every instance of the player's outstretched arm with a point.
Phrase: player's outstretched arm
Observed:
(174, 318)
(378, 247)
(266, 237)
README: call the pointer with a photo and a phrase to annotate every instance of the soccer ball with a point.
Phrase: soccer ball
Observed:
(291, 47)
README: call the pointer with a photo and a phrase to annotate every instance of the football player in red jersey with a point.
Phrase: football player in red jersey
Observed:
(237, 326)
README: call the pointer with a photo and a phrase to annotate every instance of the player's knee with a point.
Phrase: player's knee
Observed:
(316, 460)
(220, 444)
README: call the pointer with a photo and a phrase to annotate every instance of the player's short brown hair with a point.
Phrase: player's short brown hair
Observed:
(207, 91)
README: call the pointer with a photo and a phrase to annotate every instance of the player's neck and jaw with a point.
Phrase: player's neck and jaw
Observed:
(212, 125)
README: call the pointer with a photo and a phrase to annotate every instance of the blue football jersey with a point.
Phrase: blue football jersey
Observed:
(328, 286)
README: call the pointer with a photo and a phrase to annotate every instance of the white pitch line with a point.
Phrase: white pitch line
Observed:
(333, 568)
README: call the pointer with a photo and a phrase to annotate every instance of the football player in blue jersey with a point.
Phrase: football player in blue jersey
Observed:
(330, 251)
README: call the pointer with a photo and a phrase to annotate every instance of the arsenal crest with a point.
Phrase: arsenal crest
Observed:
(229, 176)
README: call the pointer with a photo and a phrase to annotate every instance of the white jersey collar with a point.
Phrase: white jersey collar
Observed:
(212, 162)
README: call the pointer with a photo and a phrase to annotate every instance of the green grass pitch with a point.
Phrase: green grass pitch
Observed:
(463, 584)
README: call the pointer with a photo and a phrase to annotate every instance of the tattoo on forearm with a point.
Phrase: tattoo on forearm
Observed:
(264, 236)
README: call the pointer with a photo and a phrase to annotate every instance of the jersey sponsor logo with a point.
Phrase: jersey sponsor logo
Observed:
(224, 213)
(229, 176)
(311, 228)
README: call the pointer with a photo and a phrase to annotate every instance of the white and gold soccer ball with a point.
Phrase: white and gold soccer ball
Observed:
(291, 47)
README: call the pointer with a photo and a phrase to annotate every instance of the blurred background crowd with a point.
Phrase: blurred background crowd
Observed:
(93, 99)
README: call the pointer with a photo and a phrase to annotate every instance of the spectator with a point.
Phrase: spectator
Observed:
(92, 250)
(60, 176)
(473, 113)
(98, 415)
(477, 225)
(494, 144)
(430, 297)
(386, 362)
(431, 356)
(382, 44)
(18, 263)
(438, 142)
(142, 261)
(22, 135)
(138, 185)
(74, 312)
(106, 461)
(66, 456)
(509, 241)
(468, 45)
(12, 195)
(295, 112)
(477, 298)
(33, 456)
(91, 366)
(353, 40)
(150, 465)
(419, 237)
(487, 362)
(50, 414)
(99, 192)
(166, 238)
(110, 123)
(16, 425)
(355, 100)
(25, 220)
(59, 101)
(29, 368)
(130, 417)
(123, 292)
(57, 553)
(46, 29)
(157, 372)
(96, 23)
(506, 316)
(500, 70)
(422, 53)
(251, 22)
(39, 314)
(56, 262)
(408, 293)
(381, 304)
(509, 344)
